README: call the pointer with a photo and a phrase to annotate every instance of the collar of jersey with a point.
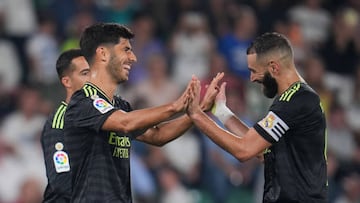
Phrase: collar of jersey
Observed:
(291, 86)
(99, 90)
(64, 103)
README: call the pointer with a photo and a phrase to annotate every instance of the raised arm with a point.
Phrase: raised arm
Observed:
(145, 118)
(225, 115)
(168, 131)
(243, 148)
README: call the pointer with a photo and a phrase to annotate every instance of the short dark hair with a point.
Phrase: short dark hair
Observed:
(268, 42)
(102, 33)
(63, 63)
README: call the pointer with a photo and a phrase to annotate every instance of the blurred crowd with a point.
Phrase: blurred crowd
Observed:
(175, 39)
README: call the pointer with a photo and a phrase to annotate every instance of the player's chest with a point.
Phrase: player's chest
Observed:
(118, 144)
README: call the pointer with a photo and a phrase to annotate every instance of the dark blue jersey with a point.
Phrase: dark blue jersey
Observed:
(100, 165)
(295, 164)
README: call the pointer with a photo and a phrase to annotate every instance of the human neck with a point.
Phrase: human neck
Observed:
(69, 92)
(288, 79)
(103, 80)
(68, 97)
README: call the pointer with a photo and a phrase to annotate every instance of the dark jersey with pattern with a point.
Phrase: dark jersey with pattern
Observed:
(58, 188)
(295, 164)
(100, 166)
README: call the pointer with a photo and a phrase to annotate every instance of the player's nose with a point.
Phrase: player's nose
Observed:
(132, 57)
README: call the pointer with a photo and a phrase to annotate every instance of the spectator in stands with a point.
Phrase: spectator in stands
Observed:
(314, 75)
(233, 45)
(20, 132)
(191, 46)
(313, 19)
(19, 21)
(145, 45)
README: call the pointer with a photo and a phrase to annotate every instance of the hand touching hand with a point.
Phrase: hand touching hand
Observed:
(211, 92)
(221, 96)
(183, 101)
(220, 110)
(194, 97)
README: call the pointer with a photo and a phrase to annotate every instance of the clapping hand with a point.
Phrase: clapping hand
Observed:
(183, 101)
(211, 92)
(194, 97)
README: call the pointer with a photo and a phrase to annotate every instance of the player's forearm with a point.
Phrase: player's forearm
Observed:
(236, 126)
(175, 128)
(167, 131)
(149, 117)
(139, 119)
(226, 140)
(228, 118)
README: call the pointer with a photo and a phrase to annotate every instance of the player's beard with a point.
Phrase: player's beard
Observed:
(270, 85)
(114, 67)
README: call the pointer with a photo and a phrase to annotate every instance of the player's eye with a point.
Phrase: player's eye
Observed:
(127, 49)
(86, 72)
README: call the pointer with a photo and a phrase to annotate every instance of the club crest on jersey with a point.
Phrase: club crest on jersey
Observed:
(268, 121)
(102, 105)
(274, 125)
(61, 162)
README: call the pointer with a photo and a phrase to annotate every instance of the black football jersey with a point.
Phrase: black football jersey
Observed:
(100, 165)
(56, 158)
(295, 164)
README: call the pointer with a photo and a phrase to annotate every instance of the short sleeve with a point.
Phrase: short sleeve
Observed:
(86, 112)
(286, 115)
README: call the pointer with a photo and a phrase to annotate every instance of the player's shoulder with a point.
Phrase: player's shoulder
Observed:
(80, 94)
(121, 103)
(90, 89)
(298, 99)
(90, 99)
(55, 120)
(298, 93)
(78, 103)
(87, 92)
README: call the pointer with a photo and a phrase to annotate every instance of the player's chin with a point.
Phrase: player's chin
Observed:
(123, 79)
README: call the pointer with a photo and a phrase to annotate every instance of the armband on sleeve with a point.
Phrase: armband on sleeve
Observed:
(274, 126)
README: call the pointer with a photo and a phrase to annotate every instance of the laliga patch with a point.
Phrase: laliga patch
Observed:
(102, 105)
(274, 125)
(61, 162)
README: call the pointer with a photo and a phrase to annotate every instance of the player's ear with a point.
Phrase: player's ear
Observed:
(274, 67)
(102, 53)
(66, 81)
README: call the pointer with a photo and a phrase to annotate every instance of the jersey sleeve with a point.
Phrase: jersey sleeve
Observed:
(286, 115)
(87, 112)
(122, 104)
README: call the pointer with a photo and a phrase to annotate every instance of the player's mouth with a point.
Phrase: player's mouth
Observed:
(127, 67)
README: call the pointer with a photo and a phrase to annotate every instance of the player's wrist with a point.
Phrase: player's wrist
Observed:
(176, 107)
(195, 114)
(221, 111)
(205, 106)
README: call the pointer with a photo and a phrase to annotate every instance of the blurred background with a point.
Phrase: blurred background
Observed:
(175, 39)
